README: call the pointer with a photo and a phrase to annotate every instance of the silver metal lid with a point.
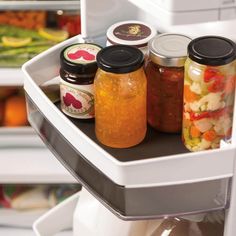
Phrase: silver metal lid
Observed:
(169, 49)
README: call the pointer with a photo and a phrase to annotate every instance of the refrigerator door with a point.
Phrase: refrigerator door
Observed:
(130, 182)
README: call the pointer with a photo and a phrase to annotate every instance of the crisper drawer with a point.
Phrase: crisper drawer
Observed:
(156, 178)
(14, 126)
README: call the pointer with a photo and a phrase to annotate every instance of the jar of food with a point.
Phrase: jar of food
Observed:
(133, 33)
(165, 78)
(78, 69)
(120, 96)
(209, 88)
(69, 21)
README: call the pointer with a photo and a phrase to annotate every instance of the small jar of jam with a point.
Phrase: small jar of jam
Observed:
(209, 92)
(120, 97)
(165, 78)
(78, 69)
(133, 33)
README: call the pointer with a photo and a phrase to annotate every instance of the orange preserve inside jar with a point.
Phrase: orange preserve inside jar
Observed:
(120, 97)
(165, 78)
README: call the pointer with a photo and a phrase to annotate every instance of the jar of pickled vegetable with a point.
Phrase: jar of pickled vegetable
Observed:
(209, 88)
(165, 78)
(120, 96)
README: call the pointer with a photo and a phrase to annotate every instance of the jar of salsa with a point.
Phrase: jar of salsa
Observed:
(78, 69)
(209, 88)
(165, 78)
(120, 96)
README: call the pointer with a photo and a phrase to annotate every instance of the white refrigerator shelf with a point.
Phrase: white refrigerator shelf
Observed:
(128, 181)
(23, 136)
(11, 77)
(31, 166)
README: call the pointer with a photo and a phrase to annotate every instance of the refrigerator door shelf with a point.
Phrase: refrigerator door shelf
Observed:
(128, 181)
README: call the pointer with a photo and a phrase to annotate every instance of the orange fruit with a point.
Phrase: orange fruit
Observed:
(1, 112)
(15, 111)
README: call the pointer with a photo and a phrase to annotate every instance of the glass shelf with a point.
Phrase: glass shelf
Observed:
(40, 5)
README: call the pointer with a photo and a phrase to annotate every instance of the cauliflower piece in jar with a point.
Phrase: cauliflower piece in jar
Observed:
(195, 106)
(196, 88)
(203, 107)
(186, 116)
(203, 125)
(212, 101)
(223, 125)
(187, 107)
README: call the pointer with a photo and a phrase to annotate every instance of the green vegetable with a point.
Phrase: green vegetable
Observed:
(13, 31)
(190, 141)
(15, 57)
(23, 50)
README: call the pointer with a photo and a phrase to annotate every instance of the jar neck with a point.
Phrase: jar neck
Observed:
(166, 67)
(80, 79)
(189, 60)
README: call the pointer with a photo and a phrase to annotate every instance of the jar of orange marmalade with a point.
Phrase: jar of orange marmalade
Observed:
(120, 97)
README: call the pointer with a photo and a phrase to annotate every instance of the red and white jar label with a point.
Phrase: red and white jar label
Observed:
(77, 100)
(82, 53)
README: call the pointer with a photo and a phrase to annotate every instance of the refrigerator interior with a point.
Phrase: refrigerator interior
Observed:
(121, 173)
(24, 159)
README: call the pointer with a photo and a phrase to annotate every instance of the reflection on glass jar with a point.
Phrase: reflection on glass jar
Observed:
(165, 76)
(120, 97)
(209, 88)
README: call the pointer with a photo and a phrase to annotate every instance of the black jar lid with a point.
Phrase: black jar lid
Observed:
(120, 59)
(80, 58)
(212, 50)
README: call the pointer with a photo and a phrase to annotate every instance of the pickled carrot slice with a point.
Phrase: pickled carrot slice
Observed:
(195, 132)
(209, 135)
(189, 96)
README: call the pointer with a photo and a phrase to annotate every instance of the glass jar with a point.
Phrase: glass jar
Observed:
(77, 72)
(209, 88)
(120, 97)
(69, 21)
(165, 77)
(133, 33)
